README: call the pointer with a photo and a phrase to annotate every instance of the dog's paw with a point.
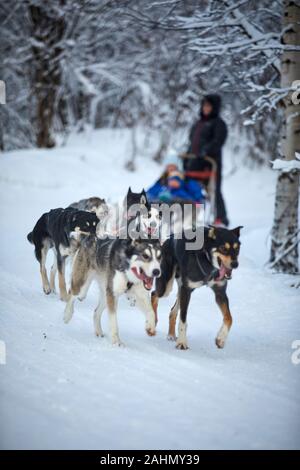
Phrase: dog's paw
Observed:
(99, 334)
(221, 337)
(68, 313)
(52, 287)
(171, 338)
(118, 344)
(150, 331)
(150, 327)
(182, 346)
(220, 342)
(64, 297)
(47, 290)
(67, 317)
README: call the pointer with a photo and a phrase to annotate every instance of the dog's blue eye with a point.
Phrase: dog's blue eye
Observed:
(145, 256)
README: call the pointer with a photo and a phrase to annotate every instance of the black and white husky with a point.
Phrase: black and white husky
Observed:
(61, 230)
(138, 217)
(118, 266)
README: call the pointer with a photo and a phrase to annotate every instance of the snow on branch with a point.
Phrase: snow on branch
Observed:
(268, 101)
(287, 166)
(258, 44)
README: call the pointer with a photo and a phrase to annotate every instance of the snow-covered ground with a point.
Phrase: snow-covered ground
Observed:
(64, 388)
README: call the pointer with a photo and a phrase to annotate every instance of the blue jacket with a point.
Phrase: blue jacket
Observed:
(190, 190)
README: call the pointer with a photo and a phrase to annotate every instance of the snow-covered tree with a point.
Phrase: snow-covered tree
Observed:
(235, 50)
(129, 63)
(285, 232)
(246, 39)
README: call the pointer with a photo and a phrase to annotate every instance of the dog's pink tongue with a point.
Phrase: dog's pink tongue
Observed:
(148, 282)
(222, 272)
(151, 231)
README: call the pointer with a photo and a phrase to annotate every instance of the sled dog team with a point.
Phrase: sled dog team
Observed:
(133, 266)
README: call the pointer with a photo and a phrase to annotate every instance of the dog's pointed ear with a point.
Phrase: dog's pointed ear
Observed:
(128, 248)
(129, 190)
(143, 198)
(237, 230)
(212, 232)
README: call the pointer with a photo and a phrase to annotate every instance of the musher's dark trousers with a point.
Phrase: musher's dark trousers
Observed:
(200, 164)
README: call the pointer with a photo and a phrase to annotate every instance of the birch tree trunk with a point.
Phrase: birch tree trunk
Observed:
(284, 249)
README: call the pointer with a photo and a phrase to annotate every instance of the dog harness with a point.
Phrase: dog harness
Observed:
(210, 274)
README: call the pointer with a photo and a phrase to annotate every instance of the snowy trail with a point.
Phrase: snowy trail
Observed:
(64, 388)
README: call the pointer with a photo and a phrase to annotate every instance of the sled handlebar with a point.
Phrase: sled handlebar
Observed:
(188, 156)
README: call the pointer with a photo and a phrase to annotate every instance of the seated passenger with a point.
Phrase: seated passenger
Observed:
(172, 186)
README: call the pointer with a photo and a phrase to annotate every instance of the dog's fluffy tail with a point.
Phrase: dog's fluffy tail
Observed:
(30, 237)
(164, 283)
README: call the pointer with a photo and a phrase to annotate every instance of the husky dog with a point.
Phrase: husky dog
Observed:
(92, 204)
(211, 265)
(140, 216)
(97, 205)
(118, 266)
(147, 223)
(59, 229)
(132, 200)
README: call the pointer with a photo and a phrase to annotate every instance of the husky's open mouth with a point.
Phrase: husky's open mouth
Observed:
(150, 230)
(140, 274)
(223, 271)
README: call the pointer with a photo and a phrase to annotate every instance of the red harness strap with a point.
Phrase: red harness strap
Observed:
(201, 175)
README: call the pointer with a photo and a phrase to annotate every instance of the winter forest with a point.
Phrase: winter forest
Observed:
(97, 96)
